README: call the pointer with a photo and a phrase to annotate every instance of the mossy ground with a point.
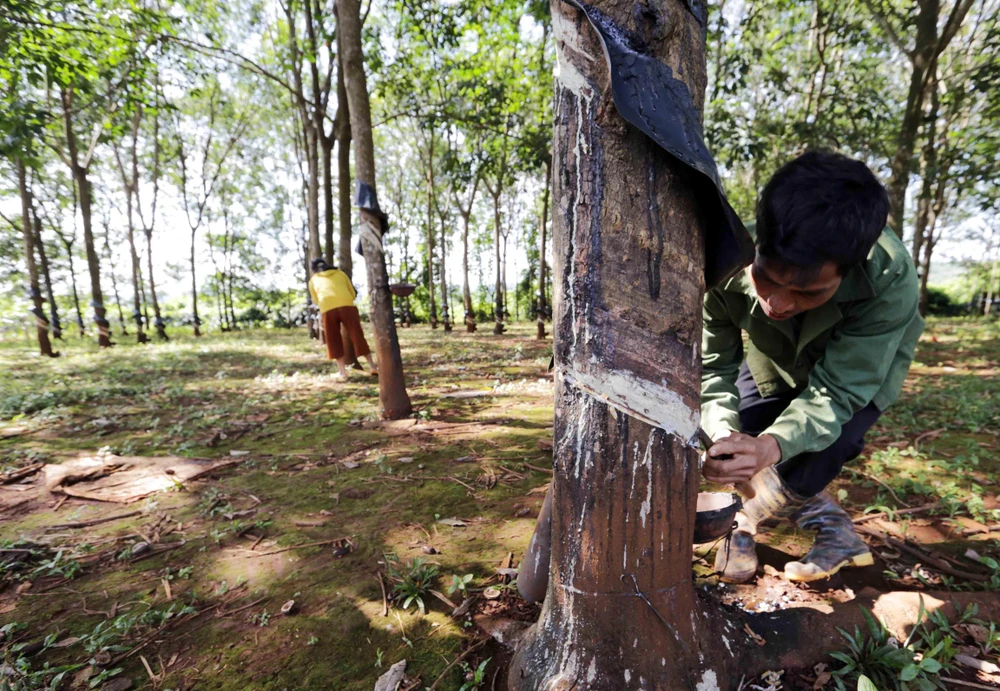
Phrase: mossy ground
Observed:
(271, 393)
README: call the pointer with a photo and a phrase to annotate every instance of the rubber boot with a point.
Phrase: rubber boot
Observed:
(736, 560)
(836, 545)
(533, 573)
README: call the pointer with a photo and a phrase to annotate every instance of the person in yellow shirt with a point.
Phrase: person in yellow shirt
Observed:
(333, 292)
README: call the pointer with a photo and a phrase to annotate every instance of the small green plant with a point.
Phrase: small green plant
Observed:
(262, 619)
(887, 663)
(461, 584)
(474, 678)
(379, 654)
(57, 566)
(312, 640)
(411, 583)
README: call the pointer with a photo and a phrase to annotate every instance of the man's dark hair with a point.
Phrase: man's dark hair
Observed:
(821, 207)
(317, 263)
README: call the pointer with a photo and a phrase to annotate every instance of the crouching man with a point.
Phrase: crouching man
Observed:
(829, 308)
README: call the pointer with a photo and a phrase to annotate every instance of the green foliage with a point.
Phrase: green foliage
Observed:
(460, 583)
(411, 582)
(941, 304)
(474, 678)
(887, 662)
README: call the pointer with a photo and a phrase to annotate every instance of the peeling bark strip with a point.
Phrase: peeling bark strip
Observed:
(628, 250)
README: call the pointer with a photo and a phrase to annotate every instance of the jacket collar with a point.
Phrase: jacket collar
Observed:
(855, 286)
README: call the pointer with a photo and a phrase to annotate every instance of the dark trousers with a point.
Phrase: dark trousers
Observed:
(809, 473)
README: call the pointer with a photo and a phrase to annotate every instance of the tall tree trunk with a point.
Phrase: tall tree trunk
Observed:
(498, 298)
(79, 172)
(445, 311)
(195, 320)
(621, 610)
(928, 174)
(41, 321)
(43, 259)
(327, 153)
(470, 315)
(161, 326)
(68, 244)
(430, 232)
(342, 130)
(136, 280)
(394, 400)
(922, 60)
(541, 307)
(342, 134)
(114, 281)
(130, 185)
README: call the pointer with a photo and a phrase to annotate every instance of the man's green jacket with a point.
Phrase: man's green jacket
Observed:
(851, 351)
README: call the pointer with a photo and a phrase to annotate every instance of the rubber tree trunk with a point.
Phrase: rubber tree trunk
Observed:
(133, 254)
(161, 327)
(35, 294)
(79, 172)
(541, 305)
(345, 262)
(326, 146)
(470, 316)
(114, 282)
(498, 296)
(621, 611)
(443, 274)
(68, 244)
(394, 400)
(342, 131)
(921, 62)
(195, 319)
(430, 233)
(43, 260)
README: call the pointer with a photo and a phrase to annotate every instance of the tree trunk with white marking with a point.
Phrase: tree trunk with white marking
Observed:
(394, 400)
(621, 611)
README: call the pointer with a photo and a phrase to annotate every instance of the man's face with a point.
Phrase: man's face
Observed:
(785, 291)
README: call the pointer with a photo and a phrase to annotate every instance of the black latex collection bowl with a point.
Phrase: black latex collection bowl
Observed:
(402, 289)
(716, 512)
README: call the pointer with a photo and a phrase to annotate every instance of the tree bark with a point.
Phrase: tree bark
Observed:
(68, 245)
(114, 281)
(541, 307)
(445, 311)
(158, 323)
(498, 301)
(394, 400)
(470, 315)
(342, 129)
(130, 184)
(34, 293)
(79, 172)
(621, 611)
(430, 232)
(327, 151)
(43, 260)
(195, 319)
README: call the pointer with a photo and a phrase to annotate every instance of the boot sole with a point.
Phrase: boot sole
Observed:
(738, 578)
(859, 560)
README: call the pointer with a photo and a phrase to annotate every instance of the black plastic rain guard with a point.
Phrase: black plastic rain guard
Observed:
(648, 97)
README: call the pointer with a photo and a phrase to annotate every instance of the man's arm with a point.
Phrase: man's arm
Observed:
(721, 357)
(852, 369)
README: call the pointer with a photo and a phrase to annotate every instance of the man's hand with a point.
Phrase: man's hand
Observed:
(739, 457)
